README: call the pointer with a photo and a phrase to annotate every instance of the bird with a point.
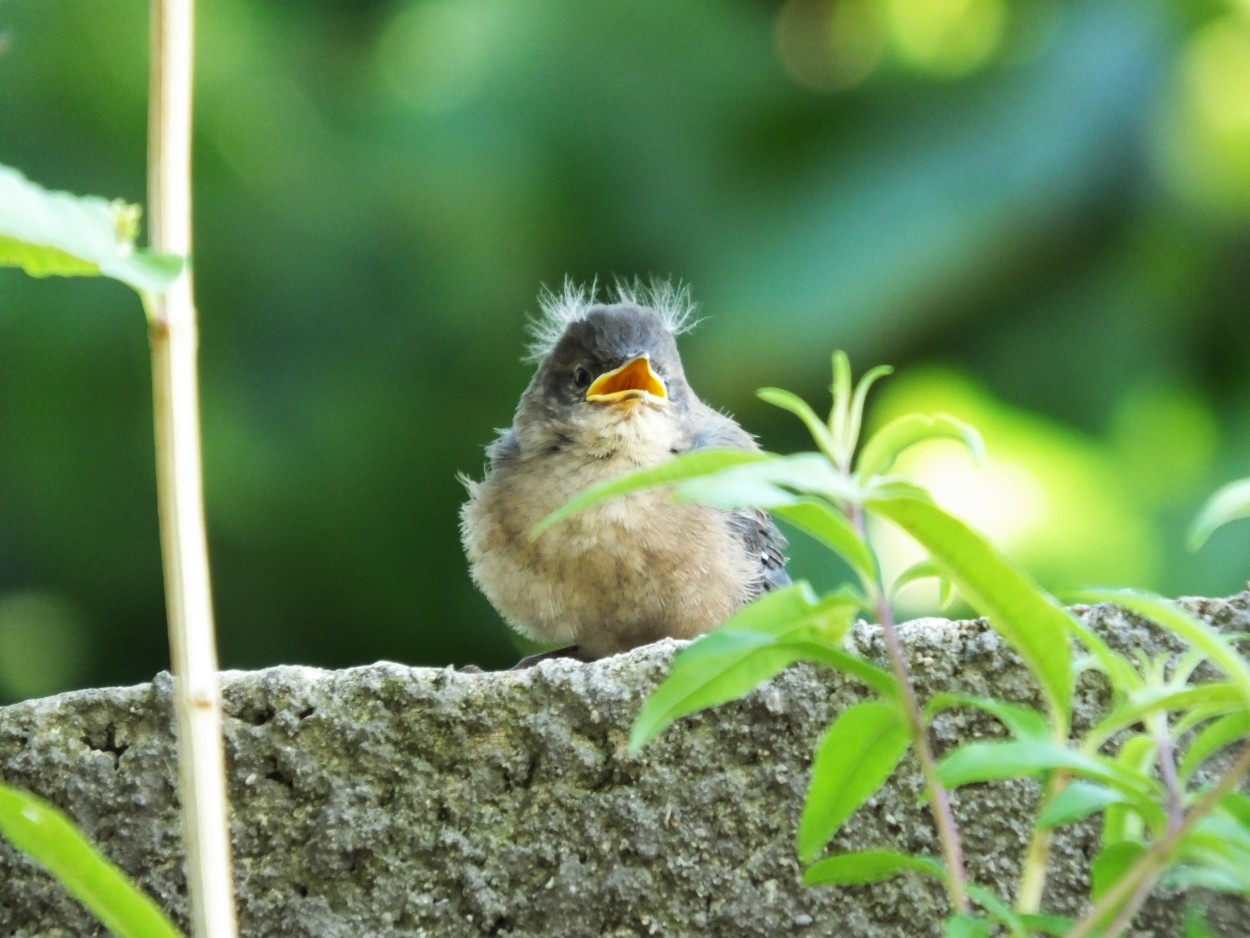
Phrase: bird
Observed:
(609, 397)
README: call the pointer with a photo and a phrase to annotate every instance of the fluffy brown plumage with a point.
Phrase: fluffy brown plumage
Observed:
(610, 396)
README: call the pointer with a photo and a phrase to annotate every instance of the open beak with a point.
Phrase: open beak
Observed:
(633, 381)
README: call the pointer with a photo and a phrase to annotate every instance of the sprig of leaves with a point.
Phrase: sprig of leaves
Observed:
(1159, 821)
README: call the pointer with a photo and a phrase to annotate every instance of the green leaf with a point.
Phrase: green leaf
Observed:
(963, 925)
(999, 910)
(1077, 801)
(681, 468)
(1159, 699)
(55, 233)
(1110, 864)
(856, 756)
(1049, 924)
(49, 838)
(1221, 733)
(1022, 722)
(855, 421)
(1227, 504)
(897, 436)
(832, 529)
(800, 408)
(1195, 876)
(755, 644)
(923, 570)
(1027, 617)
(840, 413)
(771, 482)
(869, 866)
(1188, 626)
(1196, 925)
(993, 761)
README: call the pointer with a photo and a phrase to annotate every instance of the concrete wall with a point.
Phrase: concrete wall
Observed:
(388, 800)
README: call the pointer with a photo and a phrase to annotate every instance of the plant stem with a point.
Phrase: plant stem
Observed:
(172, 330)
(943, 816)
(1137, 881)
(1037, 859)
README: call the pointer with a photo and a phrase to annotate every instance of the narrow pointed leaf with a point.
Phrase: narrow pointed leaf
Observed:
(924, 570)
(1022, 722)
(966, 925)
(896, 437)
(993, 761)
(800, 408)
(58, 234)
(768, 483)
(1030, 620)
(49, 838)
(998, 910)
(856, 414)
(754, 645)
(678, 469)
(869, 866)
(856, 756)
(1078, 801)
(832, 529)
(1227, 504)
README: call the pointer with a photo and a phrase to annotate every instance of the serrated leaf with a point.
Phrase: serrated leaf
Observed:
(50, 233)
(1223, 732)
(869, 866)
(681, 468)
(1110, 864)
(1077, 801)
(757, 643)
(896, 437)
(1021, 721)
(1227, 504)
(854, 758)
(49, 838)
(1026, 616)
(1188, 626)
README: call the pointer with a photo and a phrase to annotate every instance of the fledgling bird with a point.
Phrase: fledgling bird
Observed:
(609, 397)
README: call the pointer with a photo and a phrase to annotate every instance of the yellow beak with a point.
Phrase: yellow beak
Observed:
(633, 381)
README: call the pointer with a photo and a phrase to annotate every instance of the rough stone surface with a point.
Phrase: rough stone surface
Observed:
(388, 800)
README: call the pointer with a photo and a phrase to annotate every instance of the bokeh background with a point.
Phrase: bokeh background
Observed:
(1038, 211)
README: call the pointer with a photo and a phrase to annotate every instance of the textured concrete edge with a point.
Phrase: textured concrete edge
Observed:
(551, 736)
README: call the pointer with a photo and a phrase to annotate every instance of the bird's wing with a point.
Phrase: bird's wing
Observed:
(755, 528)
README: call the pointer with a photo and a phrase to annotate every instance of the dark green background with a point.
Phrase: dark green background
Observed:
(1046, 231)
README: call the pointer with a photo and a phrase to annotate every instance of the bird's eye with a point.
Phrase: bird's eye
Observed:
(581, 377)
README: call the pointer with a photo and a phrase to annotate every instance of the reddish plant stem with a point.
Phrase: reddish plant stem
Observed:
(1135, 885)
(943, 816)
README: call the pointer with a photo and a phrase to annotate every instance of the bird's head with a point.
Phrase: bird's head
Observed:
(611, 383)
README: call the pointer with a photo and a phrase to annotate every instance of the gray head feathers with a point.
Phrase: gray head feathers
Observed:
(670, 300)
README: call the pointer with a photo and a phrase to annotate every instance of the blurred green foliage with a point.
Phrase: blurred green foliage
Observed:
(1038, 211)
